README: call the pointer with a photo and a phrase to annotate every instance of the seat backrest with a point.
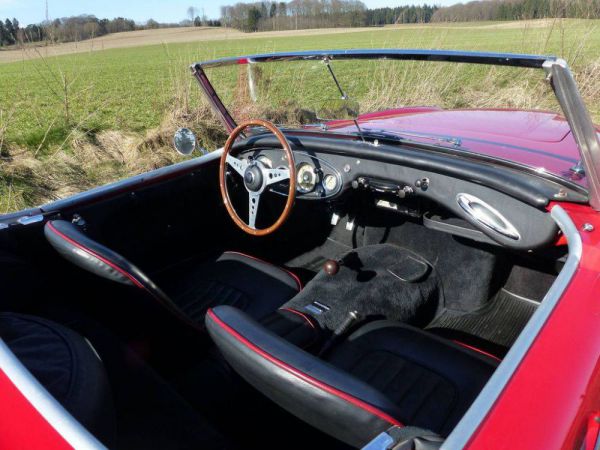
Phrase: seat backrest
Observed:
(317, 392)
(76, 247)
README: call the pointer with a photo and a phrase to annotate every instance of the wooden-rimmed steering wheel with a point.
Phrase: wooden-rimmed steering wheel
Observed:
(256, 178)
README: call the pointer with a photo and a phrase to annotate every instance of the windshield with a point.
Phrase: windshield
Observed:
(504, 112)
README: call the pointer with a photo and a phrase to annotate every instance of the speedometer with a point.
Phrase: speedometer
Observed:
(306, 178)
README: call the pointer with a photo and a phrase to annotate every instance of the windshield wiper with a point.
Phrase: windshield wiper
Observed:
(406, 136)
(344, 96)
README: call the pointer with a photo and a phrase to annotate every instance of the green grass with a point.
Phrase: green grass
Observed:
(130, 89)
(46, 104)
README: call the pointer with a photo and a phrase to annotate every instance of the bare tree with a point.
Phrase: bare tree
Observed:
(191, 12)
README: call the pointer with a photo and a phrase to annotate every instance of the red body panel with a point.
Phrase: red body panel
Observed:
(21, 425)
(556, 388)
(549, 400)
(535, 138)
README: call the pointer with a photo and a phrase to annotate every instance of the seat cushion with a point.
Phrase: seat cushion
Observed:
(382, 375)
(431, 380)
(66, 365)
(245, 282)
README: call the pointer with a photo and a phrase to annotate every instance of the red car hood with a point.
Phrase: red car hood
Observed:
(542, 140)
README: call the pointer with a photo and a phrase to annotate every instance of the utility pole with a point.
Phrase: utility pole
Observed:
(47, 13)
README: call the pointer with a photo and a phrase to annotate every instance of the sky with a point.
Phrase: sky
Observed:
(33, 11)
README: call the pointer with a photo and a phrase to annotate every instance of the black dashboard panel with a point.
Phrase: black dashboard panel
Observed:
(318, 179)
(490, 214)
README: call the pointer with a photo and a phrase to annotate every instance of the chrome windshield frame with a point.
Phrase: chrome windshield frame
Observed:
(557, 71)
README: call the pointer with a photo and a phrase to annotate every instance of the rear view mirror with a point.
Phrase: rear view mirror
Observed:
(185, 141)
(338, 109)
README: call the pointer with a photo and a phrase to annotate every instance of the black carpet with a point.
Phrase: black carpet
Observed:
(500, 321)
(377, 281)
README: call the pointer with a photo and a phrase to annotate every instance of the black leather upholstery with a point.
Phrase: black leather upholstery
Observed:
(384, 374)
(315, 391)
(234, 279)
(431, 380)
(255, 286)
(67, 366)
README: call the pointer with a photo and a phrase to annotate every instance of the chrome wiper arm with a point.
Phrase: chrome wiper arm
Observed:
(344, 96)
(456, 142)
(337, 83)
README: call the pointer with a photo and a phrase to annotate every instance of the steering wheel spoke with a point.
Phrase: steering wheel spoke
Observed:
(253, 209)
(239, 165)
(276, 175)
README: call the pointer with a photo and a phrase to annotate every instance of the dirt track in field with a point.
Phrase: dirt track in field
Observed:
(195, 34)
(154, 37)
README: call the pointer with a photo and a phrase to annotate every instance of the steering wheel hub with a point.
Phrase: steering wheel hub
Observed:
(253, 178)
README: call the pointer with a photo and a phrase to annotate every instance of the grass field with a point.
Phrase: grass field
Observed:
(91, 116)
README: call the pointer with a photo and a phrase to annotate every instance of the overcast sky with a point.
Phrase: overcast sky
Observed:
(33, 11)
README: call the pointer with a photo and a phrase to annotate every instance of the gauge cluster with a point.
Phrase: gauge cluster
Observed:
(315, 177)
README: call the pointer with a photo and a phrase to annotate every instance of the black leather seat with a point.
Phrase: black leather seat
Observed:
(384, 374)
(253, 285)
(67, 366)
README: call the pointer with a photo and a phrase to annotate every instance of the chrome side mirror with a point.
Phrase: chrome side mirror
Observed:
(185, 142)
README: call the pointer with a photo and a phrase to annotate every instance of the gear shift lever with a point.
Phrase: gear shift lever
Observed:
(331, 267)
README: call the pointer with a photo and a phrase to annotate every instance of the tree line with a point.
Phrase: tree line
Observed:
(78, 28)
(482, 10)
(10, 31)
(301, 14)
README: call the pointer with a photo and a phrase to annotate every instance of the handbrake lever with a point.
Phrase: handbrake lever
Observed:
(352, 319)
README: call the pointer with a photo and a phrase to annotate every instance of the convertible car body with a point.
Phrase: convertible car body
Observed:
(408, 277)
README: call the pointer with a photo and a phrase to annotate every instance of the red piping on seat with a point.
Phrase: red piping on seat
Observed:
(298, 313)
(95, 255)
(475, 349)
(291, 274)
(304, 377)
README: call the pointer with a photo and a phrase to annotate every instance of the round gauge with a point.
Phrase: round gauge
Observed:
(330, 182)
(306, 178)
(265, 161)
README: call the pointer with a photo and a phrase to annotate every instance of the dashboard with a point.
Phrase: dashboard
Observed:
(479, 202)
(316, 178)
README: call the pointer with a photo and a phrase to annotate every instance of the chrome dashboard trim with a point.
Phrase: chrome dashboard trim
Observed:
(476, 414)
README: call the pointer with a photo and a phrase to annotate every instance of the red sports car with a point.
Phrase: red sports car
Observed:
(409, 277)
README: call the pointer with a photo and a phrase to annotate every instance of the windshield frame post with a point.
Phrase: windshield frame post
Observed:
(213, 98)
(581, 124)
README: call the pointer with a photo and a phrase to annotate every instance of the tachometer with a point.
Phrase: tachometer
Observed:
(306, 179)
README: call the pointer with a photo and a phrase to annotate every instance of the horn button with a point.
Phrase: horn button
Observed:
(253, 178)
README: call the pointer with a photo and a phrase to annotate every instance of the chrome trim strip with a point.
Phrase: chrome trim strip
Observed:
(478, 411)
(58, 417)
(503, 59)
(28, 220)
